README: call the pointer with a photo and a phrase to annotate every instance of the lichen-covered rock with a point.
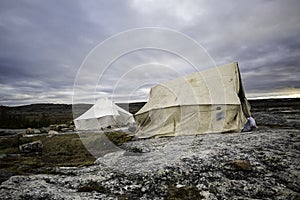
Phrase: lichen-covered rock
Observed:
(29, 131)
(32, 147)
(259, 165)
(32, 131)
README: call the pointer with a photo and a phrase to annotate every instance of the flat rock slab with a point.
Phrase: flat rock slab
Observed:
(259, 165)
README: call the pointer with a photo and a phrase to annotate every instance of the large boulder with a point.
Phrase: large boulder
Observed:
(52, 133)
(32, 147)
(29, 131)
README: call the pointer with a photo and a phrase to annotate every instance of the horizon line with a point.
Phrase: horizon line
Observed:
(141, 101)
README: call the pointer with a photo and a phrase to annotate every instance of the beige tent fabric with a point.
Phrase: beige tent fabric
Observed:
(203, 102)
(105, 113)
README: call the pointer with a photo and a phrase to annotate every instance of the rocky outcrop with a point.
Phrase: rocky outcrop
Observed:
(258, 165)
(62, 127)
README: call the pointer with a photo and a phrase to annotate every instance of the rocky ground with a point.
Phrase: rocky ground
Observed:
(263, 164)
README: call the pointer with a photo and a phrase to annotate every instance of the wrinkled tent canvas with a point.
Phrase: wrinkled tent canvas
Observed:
(209, 101)
(104, 114)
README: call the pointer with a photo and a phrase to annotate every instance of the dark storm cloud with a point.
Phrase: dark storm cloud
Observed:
(272, 65)
(43, 43)
(263, 36)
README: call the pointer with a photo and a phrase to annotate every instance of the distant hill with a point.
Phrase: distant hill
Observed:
(39, 115)
(35, 115)
(42, 115)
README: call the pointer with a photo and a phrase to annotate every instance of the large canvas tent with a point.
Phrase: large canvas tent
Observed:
(209, 101)
(104, 114)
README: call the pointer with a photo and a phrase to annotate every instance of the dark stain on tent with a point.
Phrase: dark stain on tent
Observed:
(220, 115)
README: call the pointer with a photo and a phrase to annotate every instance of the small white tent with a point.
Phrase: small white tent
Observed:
(104, 114)
(209, 101)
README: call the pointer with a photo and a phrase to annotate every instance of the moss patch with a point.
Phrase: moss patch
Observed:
(118, 137)
(92, 186)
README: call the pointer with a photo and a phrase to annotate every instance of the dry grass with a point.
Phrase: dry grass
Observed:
(61, 150)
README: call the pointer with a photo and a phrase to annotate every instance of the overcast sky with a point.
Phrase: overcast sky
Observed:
(44, 43)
